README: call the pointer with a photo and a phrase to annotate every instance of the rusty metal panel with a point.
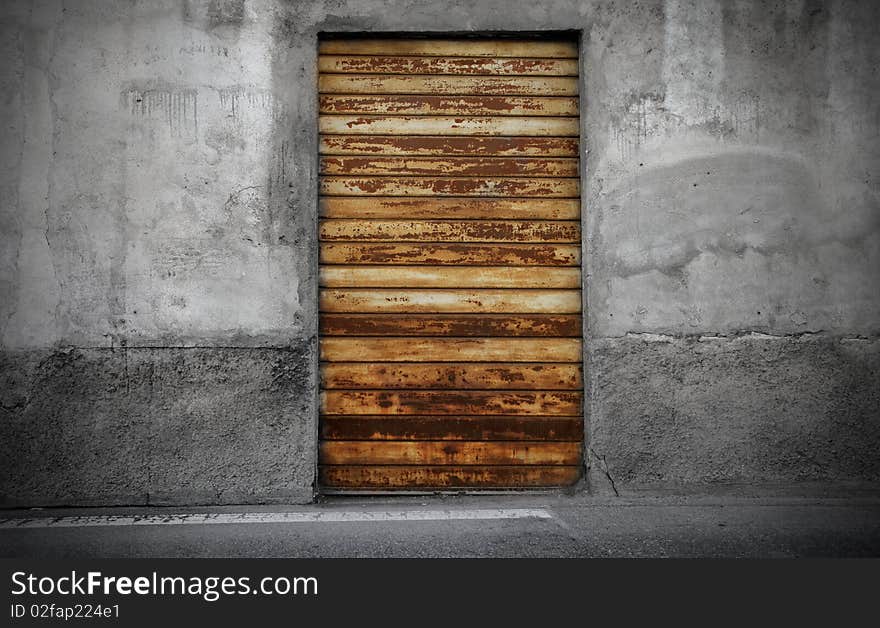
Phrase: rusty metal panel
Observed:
(449, 208)
(448, 277)
(542, 403)
(467, 428)
(382, 477)
(457, 166)
(450, 301)
(455, 325)
(444, 375)
(449, 186)
(427, 105)
(470, 254)
(449, 452)
(448, 145)
(448, 125)
(440, 300)
(451, 47)
(450, 231)
(464, 85)
(480, 66)
(406, 349)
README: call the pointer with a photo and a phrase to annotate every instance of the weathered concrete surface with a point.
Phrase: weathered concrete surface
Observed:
(733, 189)
(158, 191)
(157, 426)
(734, 180)
(150, 200)
(152, 196)
(579, 526)
(733, 413)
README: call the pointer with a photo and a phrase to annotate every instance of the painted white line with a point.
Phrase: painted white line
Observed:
(325, 516)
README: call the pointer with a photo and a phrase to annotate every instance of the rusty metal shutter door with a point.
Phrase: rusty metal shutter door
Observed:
(450, 304)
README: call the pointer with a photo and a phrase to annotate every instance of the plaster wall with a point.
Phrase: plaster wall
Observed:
(158, 308)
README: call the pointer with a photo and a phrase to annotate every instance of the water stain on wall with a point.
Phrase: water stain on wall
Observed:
(644, 116)
(232, 99)
(239, 101)
(215, 15)
(176, 106)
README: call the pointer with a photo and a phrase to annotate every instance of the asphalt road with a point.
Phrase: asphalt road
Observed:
(565, 526)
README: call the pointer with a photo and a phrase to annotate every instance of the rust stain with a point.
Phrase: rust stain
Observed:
(454, 186)
(486, 428)
(360, 122)
(450, 47)
(476, 254)
(448, 452)
(444, 84)
(475, 325)
(474, 231)
(448, 65)
(510, 376)
(452, 402)
(448, 105)
(450, 145)
(385, 402)
(385, 477)
(487, 166)
(369, 186)
(439, 208)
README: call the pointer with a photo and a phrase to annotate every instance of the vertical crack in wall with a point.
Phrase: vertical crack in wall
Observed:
(603, 467)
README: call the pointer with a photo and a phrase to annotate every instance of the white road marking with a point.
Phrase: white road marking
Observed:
(314, 516)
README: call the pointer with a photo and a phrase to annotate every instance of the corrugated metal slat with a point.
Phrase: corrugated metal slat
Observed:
(450, 301)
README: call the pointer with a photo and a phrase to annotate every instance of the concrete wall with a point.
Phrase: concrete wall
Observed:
(157, 270)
